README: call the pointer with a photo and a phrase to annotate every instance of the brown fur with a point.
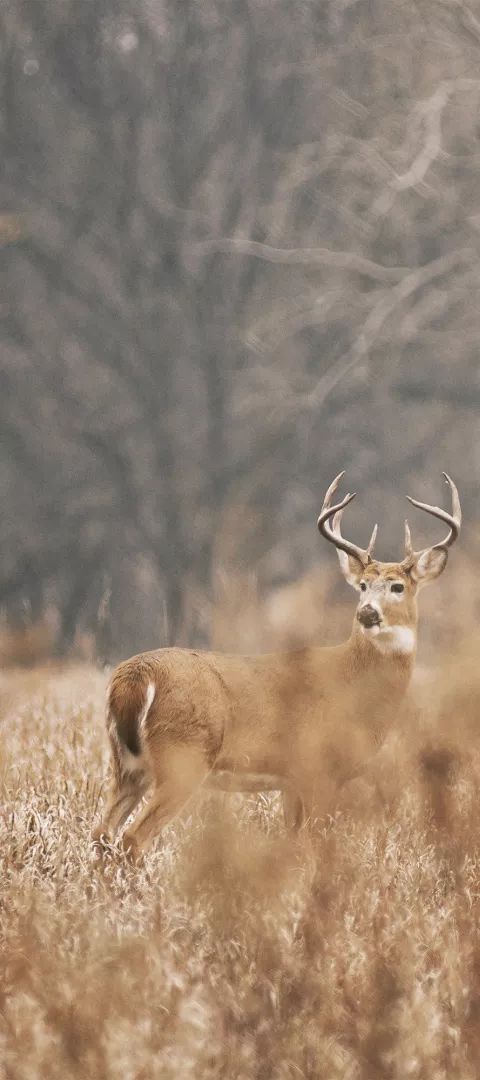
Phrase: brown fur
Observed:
(303, 722)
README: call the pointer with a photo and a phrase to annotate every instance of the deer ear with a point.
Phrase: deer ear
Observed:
(429, 565)
(351, 569)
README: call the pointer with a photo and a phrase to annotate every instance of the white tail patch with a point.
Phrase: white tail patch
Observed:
(130, 762)
(136, 762)
(146, 708)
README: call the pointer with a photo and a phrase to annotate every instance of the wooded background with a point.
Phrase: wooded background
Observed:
(240, 246)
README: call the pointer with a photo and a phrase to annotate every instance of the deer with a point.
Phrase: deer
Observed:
(301, 722)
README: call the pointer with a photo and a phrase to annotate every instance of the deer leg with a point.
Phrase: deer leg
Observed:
(123, 797)
(315, 801)
(179, 773)
(293, 810)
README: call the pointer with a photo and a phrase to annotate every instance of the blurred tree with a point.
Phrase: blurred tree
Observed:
(241, 247)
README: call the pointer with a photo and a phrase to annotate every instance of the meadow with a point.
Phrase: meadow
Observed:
(237, 950)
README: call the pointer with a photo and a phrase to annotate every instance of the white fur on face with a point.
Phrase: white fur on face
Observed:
(399, 639)
(396, 596)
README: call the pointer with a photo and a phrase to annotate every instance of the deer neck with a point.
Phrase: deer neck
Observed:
(391, 651)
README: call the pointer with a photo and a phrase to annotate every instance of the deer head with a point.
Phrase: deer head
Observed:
(386, 614)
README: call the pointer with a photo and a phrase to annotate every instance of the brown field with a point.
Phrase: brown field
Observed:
(239, 951)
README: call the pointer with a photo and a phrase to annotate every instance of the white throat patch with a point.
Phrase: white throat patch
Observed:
(399, 639)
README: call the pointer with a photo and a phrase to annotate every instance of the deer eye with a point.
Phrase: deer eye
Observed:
(397, 587)
(363, 585)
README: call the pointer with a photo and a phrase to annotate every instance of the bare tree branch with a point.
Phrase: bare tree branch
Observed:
(427, 116)
(377, 318)
(308, 257)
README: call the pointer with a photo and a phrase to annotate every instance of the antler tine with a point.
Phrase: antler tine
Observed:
(337, 530)
(371, 542)
(456, 507)
(453, 520)
(333, 534)
(408, 542)
(331, 491)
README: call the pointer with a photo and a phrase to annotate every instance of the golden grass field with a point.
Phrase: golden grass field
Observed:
(237, 950)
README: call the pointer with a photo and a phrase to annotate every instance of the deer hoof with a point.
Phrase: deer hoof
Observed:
(131, 849)
(100, 842)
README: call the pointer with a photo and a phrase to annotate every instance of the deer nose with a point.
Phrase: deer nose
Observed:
(368, 615)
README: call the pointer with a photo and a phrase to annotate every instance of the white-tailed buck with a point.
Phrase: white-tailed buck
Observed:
(302, 722)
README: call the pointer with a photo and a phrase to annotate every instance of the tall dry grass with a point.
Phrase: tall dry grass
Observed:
(238, 951)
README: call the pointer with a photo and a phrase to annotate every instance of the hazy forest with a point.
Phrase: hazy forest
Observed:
(241, 252)
(240, 248)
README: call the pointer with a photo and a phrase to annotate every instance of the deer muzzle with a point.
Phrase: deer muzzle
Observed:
(368, 616)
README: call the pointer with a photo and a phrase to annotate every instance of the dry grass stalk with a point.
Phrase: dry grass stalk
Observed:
(237, 951)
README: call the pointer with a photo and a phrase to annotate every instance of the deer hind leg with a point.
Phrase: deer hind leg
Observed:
(124, 795)
(129, 783)
(178, 771)
(293, 810)
(309, 804)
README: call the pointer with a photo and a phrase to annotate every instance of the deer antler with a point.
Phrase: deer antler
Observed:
(333, 534)
(453, 520)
